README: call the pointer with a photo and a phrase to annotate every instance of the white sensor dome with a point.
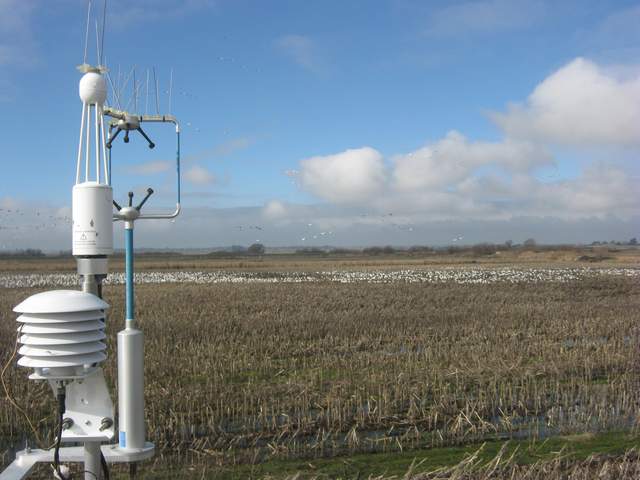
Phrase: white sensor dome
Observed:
(93, 88)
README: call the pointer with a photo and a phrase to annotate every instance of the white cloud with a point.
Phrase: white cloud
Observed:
(581, 104)
(454, 158)
(274, 210)
(349, 177)
(301, 49)
(455, 178)
(199, 176)
(485, 16)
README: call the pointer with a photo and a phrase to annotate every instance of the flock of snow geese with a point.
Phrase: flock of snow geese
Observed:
(441, 275)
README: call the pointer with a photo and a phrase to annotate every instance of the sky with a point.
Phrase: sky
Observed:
(345, 123)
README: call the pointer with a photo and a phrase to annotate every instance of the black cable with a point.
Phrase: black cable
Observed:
(61, 410)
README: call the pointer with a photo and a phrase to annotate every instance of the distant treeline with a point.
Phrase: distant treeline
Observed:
(258, 249)
(28, 252)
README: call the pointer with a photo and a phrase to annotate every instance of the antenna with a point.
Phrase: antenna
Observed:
(98, 53)
(86, 35)
(146, 102)
(104, 21)
(155, 81)
(115, 91)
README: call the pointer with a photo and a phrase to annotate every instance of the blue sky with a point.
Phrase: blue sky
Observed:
(336, 114)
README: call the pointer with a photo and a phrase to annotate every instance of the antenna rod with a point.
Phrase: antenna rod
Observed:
(86, 35)
(135, 91)
(98, 52)
(155, 81)
(115, 91)
(104, 21)
(126, 81)
(146, 102)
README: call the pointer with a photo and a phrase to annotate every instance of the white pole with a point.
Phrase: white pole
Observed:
(88, 145)
(104, 147)
(84, 106)
(97, 128)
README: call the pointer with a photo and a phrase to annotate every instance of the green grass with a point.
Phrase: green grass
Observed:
(576, 447)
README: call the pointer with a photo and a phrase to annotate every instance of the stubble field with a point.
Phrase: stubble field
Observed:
(278, 376)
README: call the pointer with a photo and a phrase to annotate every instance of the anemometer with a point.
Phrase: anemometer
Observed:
(62, 332)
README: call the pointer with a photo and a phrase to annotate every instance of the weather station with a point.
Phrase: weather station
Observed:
(61, 333)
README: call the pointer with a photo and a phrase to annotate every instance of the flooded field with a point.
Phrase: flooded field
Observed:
(253, 367)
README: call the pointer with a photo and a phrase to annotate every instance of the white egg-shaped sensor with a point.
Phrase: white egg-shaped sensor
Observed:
(93, 88)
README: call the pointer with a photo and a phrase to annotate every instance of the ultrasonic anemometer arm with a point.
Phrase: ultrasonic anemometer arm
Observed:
(128, 122)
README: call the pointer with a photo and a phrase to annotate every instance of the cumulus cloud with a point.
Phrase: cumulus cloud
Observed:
(454, 158)
(348, 177)
(581, 104)
(199, 176)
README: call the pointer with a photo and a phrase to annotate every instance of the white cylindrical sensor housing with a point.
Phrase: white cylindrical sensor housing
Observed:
(92, 212)
(131, 389)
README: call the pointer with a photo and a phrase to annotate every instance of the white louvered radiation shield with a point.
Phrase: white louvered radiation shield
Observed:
(61, 333)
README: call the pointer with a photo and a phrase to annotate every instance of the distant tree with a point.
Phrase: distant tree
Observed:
(238, 249)
(483, 249)
(344, 251)
(420, 249)
(310, 251)
(256, 249)
(530, 242)
(633, 241)
(508, 243)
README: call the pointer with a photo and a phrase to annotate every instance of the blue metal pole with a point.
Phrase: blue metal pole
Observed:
(128, 235)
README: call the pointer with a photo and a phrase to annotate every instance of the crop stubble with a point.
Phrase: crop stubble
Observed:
(239, 373)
